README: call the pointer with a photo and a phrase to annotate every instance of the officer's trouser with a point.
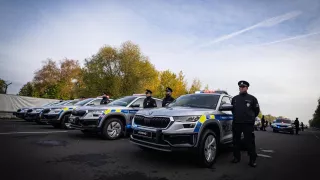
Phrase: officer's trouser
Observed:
(249, 139)
(297, 130)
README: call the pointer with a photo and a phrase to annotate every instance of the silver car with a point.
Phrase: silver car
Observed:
(59, 116)
(200, 122)
(111, 120)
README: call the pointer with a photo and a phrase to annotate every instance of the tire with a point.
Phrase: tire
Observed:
(64, 120)
(292, 132)
(275, 131)
(207, 156)
(112, 129)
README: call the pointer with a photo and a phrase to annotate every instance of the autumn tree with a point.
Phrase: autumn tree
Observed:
(69, 70)
(176, 82)
(195, 86)
(46, 80)
(2, 86)
(27, 90)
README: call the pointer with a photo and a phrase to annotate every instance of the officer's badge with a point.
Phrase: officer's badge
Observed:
(248, 104)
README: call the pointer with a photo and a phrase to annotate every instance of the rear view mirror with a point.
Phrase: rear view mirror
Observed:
(226, 107)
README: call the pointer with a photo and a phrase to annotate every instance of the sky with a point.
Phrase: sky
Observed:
(273, 44)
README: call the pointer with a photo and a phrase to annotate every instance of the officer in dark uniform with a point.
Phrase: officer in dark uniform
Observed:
(245, 110)
(149, 102)
(168, 99)
(302, 126)
(105, 99)
(296, 123)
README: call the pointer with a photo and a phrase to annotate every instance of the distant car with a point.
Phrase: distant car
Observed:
(25, 112)
(58, 116)
(283, 125)
(257, 124)
(111, 120)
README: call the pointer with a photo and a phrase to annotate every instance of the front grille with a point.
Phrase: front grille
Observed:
(29, 110)
(18, 110)
(156, 122)
(46, 111)
(78, 112)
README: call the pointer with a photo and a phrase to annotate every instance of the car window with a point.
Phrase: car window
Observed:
(197, 101)
(96, 102)
(140, 102)
(159, 103)
(83, 102)
(225, 100)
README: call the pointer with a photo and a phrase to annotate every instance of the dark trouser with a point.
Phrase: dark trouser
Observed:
(297, 130)
(249, 139)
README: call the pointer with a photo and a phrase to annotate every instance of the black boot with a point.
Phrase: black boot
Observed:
(252, 163)
(235, 160)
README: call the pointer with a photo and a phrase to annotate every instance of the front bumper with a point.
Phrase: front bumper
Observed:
(164, 142)
(84, 124)
(32, 115)
(20, 115)
(52, 118)
(284, 129)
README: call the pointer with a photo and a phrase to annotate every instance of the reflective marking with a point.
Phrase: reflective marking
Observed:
(263, 155)
(107, 111)
(118, 110)
(48, 132)
(202, 119)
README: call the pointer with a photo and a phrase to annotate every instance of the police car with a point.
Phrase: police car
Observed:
(283, 125)
(200, 122)
(111, 120)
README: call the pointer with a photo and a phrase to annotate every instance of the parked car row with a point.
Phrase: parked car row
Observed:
(200, 122)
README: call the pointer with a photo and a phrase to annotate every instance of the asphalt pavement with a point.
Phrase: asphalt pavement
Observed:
(40, 152)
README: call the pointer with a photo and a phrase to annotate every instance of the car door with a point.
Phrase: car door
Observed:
(134, 110)
(226, 119)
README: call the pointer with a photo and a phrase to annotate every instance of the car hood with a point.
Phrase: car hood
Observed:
(174, 111)
(61, 107)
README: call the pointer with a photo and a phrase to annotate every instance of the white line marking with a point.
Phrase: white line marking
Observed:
(48, 132)
(263, 155)
(315, 135)
(267, 151)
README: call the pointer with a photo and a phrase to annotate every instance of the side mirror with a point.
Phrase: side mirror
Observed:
(226, 107)
(135, 105)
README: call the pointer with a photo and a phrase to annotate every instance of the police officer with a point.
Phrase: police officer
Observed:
(296, 123)
(168, 99)
(149, 102)
(302, 126)
(245, 110)
(105, 99)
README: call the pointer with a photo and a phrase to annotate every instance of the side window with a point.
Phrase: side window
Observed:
(225, 100)
(96, 102)
(159, 103)
(140, 102)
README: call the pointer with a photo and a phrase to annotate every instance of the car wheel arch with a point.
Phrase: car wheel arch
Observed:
(118, 116)
(214, 126)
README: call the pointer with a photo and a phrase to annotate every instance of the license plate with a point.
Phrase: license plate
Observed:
(143, 133)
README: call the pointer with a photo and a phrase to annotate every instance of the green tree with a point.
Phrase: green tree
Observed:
(27, 90)
(46, 80)
(2, 86)
(316, 116)
(195, 86)
(176, 82)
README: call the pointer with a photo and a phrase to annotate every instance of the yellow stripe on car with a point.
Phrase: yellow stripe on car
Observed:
(202, 119)
(118, 110)
(107, 111)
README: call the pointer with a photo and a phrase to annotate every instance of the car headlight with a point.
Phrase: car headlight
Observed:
(186, 118)
(56, 111)
(38, 110)
(289, 127)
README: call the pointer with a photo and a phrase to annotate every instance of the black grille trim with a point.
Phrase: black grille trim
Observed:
(78, 112)
(155, 122)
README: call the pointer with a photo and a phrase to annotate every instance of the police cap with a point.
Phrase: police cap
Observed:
(243, 83)
(148, 91)
(168, 89)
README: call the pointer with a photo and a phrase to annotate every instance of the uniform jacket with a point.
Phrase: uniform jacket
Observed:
(245, 108)
(149, 102)
(167, 100)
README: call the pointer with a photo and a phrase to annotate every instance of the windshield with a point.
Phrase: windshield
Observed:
(122, 101)
(197, 100)
(83, 102)
(283, 121)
